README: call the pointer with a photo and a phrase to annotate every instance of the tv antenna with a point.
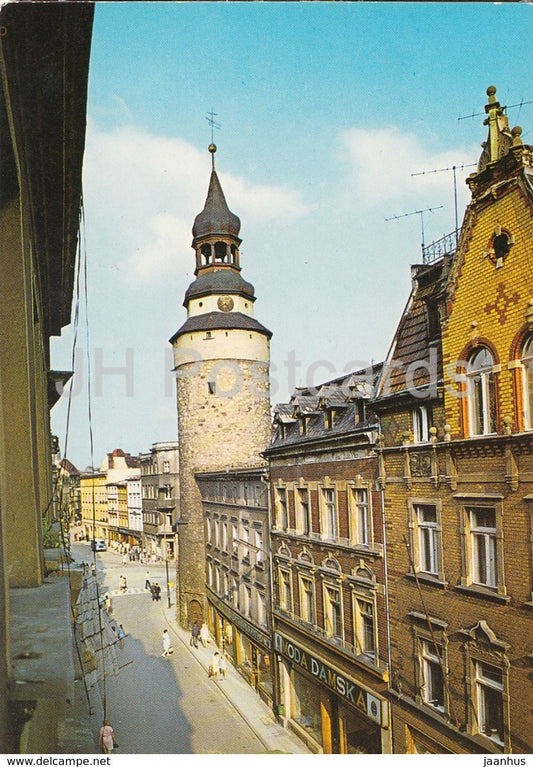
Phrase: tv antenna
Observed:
(211, 120)
(453, 168)
(414, 213)
(480, 114)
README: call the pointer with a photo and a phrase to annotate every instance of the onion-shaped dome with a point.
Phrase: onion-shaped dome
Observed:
(216, 217)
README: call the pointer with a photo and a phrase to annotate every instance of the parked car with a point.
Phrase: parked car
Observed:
(98, 544)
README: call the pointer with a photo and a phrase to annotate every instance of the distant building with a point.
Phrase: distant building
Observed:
(160, 499)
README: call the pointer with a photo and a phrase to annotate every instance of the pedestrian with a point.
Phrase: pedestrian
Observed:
(157, 589)
(195, 633)
(125, 558)
(152, 589)
(108, 604)
(222, 667)
(121, 634)
(93, 568)
(123, 584)
(204, 635)
(147, 584)
(215, 665)
(106, 739)
(167, 644)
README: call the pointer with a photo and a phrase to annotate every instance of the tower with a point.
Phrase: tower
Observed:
(221, 360)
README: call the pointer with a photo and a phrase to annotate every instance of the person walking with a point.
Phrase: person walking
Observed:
(214, 668)
(108, 604)
(195, 633)
(167, 644)
(106, 738)
(204, 635)
(123, 584)
(147, 584)
(121, 634)
(222, 667)
(157, 592)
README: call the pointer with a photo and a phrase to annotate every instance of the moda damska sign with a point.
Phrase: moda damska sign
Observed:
(366, 703)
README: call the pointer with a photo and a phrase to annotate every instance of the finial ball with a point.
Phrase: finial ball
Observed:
(212, 148)
(491, 90)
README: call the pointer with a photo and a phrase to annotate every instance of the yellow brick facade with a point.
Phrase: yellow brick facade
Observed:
(488, 303)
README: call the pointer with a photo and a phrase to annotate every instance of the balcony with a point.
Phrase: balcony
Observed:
(446, 246)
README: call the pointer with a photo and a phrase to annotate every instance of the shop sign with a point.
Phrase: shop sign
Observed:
(251, 631)
(365, 702)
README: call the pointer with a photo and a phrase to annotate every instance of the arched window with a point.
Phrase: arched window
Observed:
(481, 394)
(527, 381)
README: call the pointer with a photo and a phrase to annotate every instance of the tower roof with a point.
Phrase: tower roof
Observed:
(216, 217)
(219, 280)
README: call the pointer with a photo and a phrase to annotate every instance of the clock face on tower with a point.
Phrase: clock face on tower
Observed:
(225, 303)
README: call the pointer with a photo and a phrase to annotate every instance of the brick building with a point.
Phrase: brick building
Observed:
(328, 564)
(456, 466)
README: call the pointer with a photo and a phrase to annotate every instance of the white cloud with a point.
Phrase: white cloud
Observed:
(383, 161)
(143, 192)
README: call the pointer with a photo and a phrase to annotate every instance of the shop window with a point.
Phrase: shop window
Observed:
(303, 521)
(421, 422)
(305, 705)
(360, 517)
(432, 675)
(481, 393)
(307, 599)
(527, 381)
(332, 612)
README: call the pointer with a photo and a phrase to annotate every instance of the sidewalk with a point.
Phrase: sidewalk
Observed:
(275, 738)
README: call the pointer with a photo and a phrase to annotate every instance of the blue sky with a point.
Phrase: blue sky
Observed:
(326, 110)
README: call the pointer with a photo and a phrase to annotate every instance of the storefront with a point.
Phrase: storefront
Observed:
(331, 712)
(248, 648)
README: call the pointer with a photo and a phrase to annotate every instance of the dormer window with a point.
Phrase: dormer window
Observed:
(360, 411)
(303, 425)
(328, 418)
(421, 423)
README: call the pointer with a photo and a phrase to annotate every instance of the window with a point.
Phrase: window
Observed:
(307, 599)
(261, 609)
(246, 601)
(208, 530)
(489, 689)
(224, 541)
(234, 592)
(332, 612)
(217, 533)
(303, 510)
(365, 627)
(285, 593)
(329, 527)
(259, 553)
(166, 467)
(428, 539)
(245, 542)
(484, 556)
(432, 676)
(360, 531)
(481, 393)
(527, 382)
(234, 540)
(421, 424)
(283, 514)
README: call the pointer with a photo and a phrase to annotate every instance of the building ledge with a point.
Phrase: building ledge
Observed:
(41, 638)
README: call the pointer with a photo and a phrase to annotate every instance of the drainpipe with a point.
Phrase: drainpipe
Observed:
(387, 608)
